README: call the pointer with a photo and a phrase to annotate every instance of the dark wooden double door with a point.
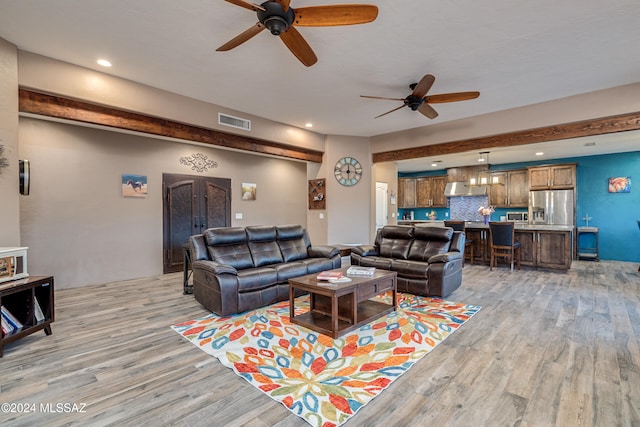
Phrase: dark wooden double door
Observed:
(191, 205)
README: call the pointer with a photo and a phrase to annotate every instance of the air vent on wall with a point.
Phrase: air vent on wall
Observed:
(235, 122)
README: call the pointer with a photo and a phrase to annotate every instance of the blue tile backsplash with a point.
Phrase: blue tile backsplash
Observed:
(466, 207)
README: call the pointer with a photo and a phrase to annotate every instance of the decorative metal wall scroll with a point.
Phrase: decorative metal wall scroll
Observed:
(198, 162)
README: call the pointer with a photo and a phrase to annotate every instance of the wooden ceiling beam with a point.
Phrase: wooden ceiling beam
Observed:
(611, 124)
(60, 107)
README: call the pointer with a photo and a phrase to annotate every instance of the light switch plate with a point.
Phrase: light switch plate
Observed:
(238, 215)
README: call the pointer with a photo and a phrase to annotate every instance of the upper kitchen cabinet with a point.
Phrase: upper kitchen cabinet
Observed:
(552, 177)
(407, 192)
(514, 193)
(464, 173)
(430, 191)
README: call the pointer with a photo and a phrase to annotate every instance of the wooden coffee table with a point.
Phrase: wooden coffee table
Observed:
(339, 308)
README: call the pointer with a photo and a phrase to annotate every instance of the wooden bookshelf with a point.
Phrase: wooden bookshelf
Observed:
(19, 298)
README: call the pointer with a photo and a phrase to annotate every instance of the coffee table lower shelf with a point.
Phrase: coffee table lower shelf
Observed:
(321, 322)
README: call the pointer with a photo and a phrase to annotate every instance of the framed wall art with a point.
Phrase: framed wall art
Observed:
(620, 184)
(134, 185)
(249, 191)
(317, 194)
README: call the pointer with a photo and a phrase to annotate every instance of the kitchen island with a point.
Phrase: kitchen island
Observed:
(541, 245)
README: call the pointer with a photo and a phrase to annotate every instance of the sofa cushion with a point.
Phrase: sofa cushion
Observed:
(395, 241)
(289, 270)
(316, 265)
(374, 261)
(430, 241)
(410, 269)
(253, 279)
(263, 246)
(229, 246)
(291, 242)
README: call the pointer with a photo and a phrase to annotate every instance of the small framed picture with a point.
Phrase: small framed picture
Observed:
(620, 184)
(317, 194)
(134, 185)
(249, 191)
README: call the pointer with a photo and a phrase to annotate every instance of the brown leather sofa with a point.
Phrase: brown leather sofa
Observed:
(428, 260)
(236, 269)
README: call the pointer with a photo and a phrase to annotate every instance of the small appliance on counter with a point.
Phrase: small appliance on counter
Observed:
(517, 217)
(408, 216)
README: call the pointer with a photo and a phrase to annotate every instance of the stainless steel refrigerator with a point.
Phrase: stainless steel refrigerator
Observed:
(551, 207)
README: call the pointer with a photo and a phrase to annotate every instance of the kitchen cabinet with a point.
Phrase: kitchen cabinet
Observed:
(554, 177)
(545, 248)
(514, 190)
(430, 191)
(463, 174)
(538, 248)
(406, 192)
(554, 249)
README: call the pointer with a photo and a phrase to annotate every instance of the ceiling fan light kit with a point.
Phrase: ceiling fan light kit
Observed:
(280, 20)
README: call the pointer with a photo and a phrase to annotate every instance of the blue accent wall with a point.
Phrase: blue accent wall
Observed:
(615, 214)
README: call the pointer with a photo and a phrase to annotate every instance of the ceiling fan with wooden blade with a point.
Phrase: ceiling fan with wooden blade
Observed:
(418, 100)
(280, 20)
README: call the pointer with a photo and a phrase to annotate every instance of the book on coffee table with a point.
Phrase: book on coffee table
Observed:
(356, 270)
(343, 279)
(329, 275)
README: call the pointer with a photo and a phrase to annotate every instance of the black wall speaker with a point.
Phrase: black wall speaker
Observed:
(25, 177)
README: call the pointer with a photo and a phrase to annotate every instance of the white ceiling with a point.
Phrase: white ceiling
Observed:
(515, 53)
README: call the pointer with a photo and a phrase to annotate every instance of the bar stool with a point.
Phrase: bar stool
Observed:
(468, 243)
(502, 243)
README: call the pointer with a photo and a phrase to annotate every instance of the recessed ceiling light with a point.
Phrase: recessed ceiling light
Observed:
(104, 63)
(434, 165)
(308, 125)
(539, 153)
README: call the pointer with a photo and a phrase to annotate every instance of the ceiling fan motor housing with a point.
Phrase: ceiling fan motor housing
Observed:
(413, 102)
(275, 18)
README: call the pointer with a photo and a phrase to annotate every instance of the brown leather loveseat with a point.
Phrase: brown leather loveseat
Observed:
(236, 269)
(428, 260)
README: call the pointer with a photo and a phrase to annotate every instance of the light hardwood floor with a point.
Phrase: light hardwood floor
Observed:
(547, 348)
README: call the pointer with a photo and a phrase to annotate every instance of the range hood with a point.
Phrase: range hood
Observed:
(456, 189)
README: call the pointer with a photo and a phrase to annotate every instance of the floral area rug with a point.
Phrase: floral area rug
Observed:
(325, 381)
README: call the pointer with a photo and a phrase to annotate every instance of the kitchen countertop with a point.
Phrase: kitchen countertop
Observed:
(482, 225)
(521, 226)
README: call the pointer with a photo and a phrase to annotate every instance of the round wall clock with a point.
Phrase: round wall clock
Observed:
(348, 171)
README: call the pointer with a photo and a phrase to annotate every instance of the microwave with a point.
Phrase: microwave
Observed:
(518, 216)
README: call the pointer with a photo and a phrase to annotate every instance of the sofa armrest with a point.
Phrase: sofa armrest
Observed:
(321, 251)
(446, 257)
(214, 267)
(365, 250)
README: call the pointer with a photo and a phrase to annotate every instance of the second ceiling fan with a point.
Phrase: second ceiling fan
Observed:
(280, 20)
(419, 101)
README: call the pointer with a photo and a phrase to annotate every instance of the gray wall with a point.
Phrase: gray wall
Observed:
(81, 229)
(9, 192)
